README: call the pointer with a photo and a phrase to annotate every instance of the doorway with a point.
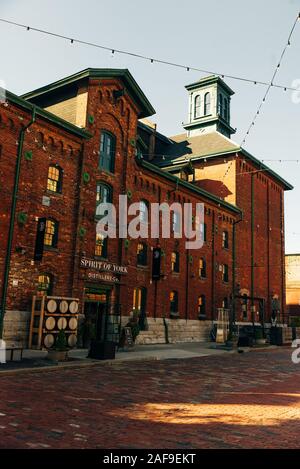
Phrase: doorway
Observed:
(95, 315)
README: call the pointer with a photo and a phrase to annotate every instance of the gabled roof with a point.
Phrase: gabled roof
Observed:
(184, 148)
(131, 85)
(13, 98)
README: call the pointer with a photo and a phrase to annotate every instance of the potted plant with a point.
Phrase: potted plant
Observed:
(59, 351)
(259, 336)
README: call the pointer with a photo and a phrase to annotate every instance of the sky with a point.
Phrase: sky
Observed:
(234, 37)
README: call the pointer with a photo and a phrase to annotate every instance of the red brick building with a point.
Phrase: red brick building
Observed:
(86, 144)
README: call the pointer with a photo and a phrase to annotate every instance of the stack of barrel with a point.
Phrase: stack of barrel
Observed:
(51, 314)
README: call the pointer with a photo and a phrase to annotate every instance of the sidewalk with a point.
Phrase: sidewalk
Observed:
(37, 359)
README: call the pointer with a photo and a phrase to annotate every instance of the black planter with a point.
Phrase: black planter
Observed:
(102, 350)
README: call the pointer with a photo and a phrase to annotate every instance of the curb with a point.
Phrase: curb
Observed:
(62, 366)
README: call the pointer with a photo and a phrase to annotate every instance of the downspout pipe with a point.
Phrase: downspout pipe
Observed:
(12, 220)
(233, 318)
(252, 254)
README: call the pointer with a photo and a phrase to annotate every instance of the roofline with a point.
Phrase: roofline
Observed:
(47, 115)
(188, 186)
(287, 185)
(146, 107)
(292, 255)
(208, 81)
(148, 129)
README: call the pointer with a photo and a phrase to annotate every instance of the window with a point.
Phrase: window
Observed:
(173, 302)
(176, 222)
(139, 305)
(142, 254)
(225, 275)
(175, 261)
(203, 230)
(54, 182)
(206, 104)
(144, 211)
(226, 110)
(225, 240)
(202, 268)
(201, 306)
(51, 233)
(103, 195)
(45, 284)
(139, 299)
(107, 152)
(101, 245)
(220, 105)
(197, 107)
(225, 303)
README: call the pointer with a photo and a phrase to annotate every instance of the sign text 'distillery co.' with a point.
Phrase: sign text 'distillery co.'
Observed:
(102, 266)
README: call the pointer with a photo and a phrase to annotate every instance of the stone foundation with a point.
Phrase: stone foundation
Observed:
(179, 330)
(16, 328)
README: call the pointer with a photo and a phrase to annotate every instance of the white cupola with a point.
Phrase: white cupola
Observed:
(209, 107)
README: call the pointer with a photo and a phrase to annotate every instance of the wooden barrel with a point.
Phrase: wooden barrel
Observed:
(50, 323)
(62, 323)
(72, 340)
(73, 324)
(51, 306)
(73, 307)
(63, 306)
(49, 340)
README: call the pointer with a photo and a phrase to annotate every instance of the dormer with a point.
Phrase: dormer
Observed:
(209, 107)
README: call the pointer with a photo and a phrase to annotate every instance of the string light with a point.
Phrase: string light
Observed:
(144, 57)
(271, 84)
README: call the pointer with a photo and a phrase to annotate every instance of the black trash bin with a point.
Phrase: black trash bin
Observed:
(102, 350)
(276, 336)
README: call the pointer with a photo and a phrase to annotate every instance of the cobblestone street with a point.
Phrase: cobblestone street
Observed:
(249, 400)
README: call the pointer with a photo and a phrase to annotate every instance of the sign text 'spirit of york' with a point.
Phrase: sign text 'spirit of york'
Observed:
(102, 266)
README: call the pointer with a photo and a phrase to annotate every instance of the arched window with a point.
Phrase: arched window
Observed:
(225, 273)
(176, 222)
(175, 261)
(139, 299)
(203, 231)
(201, 306)
(226, 109)
(51, 233)
(202, 268)
(173, 302)
(220, 105)
(197, 106)
(45, 284)
(225, 240)
(144, 211)
(103, 194)
(101, 245)
(206, 104)
(107, 152)
(139, 305)
(225, 303)
(55, 176)
(142, 254)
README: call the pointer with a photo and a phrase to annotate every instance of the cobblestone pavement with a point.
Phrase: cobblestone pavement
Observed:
(249, 400)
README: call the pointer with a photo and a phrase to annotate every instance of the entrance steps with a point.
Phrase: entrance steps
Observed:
(179, 330)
